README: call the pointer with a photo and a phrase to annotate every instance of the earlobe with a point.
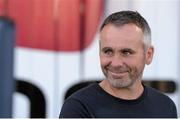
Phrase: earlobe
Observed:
(149, 55)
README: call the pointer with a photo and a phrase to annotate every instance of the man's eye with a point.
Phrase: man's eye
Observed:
(127, 52)
(108, 52)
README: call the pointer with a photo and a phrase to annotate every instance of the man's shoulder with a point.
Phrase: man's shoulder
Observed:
(154, 92)
(158, 96)
(162, 102)
(85, 91)
(76, 104)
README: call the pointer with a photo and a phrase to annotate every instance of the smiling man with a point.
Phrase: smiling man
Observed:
(125, 49)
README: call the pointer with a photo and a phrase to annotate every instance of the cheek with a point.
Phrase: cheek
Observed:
(135, 63)
(104, 61)
(139, 64)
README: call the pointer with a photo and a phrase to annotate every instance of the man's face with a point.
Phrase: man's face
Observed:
(122, 54)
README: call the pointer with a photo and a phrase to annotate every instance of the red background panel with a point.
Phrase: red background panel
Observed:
(2, 7)
(69, 25)
(34, 23)
(56, 25)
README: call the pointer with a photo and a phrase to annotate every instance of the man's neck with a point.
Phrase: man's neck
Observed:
(128, 93)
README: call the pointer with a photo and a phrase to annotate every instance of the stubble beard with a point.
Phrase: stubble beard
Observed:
(121, 82)
(124, 82)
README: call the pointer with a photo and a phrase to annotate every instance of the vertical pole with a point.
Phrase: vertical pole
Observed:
(56, 55)
(7, 36)
(82, 37)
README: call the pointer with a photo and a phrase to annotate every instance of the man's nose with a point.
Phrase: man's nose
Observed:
(117, 61)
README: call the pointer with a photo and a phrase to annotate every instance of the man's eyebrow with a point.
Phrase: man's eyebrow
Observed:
(127, 49)
(106, 48)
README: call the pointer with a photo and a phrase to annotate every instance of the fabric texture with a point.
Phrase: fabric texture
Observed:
(94, 102)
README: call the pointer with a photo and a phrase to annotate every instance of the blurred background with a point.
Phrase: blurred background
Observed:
(49, 49)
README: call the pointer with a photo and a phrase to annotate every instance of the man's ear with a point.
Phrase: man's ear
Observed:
(149, 55)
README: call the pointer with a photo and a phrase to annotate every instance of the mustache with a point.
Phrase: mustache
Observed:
(119, 69)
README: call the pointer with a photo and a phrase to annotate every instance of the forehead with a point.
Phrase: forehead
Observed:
(128, 34)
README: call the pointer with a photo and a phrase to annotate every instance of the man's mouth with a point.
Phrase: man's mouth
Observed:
(118, 75)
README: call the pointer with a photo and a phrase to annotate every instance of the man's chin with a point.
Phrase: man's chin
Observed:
(119, 82)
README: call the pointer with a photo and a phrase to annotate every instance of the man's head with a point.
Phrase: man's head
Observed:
(125, 48)
(126, 17)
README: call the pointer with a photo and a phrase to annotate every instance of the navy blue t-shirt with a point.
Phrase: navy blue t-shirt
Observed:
(94, 102)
